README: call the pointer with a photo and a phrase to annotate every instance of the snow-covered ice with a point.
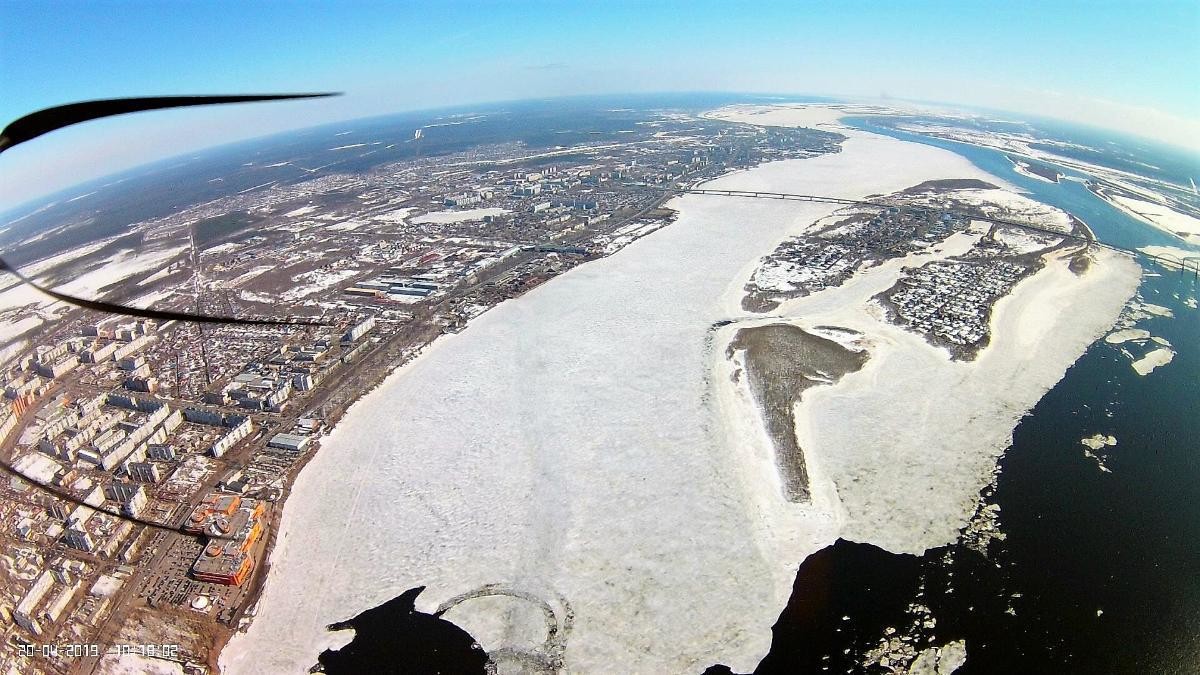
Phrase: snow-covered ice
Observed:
(1126, 335)
(1142, 309)
(1098, 441)
(575, 442)
(1170, 251)
(1153, 359)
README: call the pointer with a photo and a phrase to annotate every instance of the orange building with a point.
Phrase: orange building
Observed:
(232, 525)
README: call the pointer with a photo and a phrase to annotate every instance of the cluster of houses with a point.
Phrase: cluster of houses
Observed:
(952, 300)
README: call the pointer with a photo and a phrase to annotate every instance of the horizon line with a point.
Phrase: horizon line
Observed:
(9, 215)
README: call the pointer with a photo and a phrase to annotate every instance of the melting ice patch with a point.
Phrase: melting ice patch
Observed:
(1155, 351)
(1092, 444)
(1153, 359)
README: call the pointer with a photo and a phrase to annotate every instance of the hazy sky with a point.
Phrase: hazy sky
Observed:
(1130, 66)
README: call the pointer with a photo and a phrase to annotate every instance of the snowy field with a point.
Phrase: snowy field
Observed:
(316, 280)
(246, 277)
(393, 216)
(443, 217)
(302, 211)
(578, 443)
(22, 307)
(1016, 207)
(12, 329)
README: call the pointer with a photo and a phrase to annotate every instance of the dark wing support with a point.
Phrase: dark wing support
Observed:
(44, 121)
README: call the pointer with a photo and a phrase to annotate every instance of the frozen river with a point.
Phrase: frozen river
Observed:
(569, 445)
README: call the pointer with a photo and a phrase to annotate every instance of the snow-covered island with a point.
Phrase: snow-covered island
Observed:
(1035, 171)
(598, 444)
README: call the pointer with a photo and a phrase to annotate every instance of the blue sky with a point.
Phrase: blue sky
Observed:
(1129, 66)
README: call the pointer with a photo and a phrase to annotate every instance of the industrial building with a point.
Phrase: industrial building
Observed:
(289, 442)
(363, 292)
